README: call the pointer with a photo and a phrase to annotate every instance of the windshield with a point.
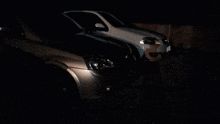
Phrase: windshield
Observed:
(112, 20)
(85, 20)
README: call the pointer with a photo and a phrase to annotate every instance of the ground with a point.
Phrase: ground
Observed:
(181, 88)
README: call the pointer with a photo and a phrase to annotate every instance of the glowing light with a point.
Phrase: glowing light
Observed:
(141, 42)
(108, 89)
(95, 64)
(157, 42)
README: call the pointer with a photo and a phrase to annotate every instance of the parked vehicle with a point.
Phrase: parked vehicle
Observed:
(55, 62)
(96, 65)
(102, 24)
(51, 71)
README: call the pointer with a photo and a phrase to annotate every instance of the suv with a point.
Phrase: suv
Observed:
(102, 24)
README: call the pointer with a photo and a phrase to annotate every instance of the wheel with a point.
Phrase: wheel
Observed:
(36, 92)
(60, 94)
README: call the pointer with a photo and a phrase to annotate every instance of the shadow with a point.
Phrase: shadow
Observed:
(29, 92)
(183, 89)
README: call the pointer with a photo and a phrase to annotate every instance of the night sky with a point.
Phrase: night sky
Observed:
(187, 12)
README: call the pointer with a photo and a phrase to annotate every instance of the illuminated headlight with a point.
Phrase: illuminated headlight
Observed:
(150, 40)
(142, 42)
(99, 63)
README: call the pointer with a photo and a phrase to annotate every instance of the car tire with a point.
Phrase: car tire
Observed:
(60, 95)
(33, 90)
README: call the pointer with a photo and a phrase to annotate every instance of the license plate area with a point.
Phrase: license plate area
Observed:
(168, 48)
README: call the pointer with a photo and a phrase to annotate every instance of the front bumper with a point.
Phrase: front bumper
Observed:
(96, 84)
(155, 52)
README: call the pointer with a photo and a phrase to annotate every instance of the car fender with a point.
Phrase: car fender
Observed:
(65, 67)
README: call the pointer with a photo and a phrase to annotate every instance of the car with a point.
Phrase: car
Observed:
(97, 66)
(102, 24)
(52, 72)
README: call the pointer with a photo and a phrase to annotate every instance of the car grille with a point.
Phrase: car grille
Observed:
(153, 54)
(123, 62)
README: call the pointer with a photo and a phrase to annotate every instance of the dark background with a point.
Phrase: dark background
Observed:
(182, 88)
(139, 11)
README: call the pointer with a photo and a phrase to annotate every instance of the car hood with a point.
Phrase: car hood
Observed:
(91, 44)
(134, 35)
(143, 32)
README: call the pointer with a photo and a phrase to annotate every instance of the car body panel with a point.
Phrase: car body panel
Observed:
(91, 85)
(48, 53)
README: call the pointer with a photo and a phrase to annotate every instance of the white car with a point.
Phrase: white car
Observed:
(148, 43)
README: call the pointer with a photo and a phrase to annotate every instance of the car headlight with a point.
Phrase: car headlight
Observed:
(99, 63)
(150, 40)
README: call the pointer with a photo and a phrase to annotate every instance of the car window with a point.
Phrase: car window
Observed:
(112, 20)
(48, 24)
(86, 20)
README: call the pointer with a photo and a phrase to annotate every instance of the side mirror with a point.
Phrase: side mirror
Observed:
(99, 25)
